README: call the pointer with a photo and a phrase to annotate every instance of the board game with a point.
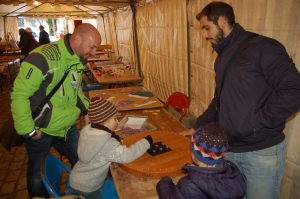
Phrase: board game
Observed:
(124, 101)
(166, 156)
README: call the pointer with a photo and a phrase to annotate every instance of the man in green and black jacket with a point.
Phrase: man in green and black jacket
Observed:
(55, 126)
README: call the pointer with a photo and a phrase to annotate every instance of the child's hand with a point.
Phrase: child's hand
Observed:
(189, 132)
(149, 139)
(87, 120)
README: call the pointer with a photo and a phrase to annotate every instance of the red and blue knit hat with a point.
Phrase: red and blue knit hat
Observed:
(209, 144)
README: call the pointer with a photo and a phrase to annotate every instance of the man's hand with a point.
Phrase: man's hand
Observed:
(38, 135)
(87, 119)
(189, 132)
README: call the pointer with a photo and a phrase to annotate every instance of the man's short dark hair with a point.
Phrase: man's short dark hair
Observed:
(216, 9)
(42, 26)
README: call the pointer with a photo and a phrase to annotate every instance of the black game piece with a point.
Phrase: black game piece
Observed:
(158, 148)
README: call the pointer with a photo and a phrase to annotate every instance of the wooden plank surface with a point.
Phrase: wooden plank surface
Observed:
(124, 101)
(132, 187)
(104, 52)
(99, 57)
(103, 78)
(10, 58)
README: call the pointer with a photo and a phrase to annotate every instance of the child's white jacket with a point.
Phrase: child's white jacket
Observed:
(96, 150)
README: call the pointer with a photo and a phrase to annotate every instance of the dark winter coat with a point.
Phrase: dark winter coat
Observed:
(27, 43)
(261, 91)
(44, 38)
(226, 182)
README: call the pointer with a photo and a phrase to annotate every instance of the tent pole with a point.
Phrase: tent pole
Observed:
(135, 40)
(104, 28)
(188, 52)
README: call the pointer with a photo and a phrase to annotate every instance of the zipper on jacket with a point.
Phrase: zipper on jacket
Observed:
(244, 63)
(254, 130)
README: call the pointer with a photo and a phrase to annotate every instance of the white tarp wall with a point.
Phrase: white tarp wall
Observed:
(9, 24)
(2, 34)
(162, 37)
(174, 55)
(116, 28)
(124, 36)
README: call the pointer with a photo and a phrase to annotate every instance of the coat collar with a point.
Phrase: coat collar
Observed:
(232, 39)
(104, 128)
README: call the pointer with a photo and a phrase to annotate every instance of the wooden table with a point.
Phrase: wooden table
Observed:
(99, 57)
(102, 78)
(129, 186)
(108, 53)
(10, 59)
(119, 95)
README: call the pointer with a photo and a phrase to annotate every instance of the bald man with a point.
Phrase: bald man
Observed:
(54, 125)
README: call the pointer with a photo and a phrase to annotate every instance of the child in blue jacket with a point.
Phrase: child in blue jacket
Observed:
(210, 176)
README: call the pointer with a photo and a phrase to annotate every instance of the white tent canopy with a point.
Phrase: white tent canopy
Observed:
(61, 8)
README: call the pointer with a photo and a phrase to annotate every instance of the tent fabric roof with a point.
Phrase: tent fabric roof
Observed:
(61, 8)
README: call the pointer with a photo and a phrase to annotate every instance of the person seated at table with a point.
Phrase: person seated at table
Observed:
(211, 176)
(98, 146)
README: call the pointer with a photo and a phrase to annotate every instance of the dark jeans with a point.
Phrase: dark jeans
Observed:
(91, 195)
(36, 149)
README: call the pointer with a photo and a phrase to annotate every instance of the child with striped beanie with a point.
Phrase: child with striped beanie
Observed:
(98, 146)
(211, 176)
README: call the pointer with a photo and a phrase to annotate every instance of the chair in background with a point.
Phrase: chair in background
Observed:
(179, 102)
(52, 170)
(90, 87)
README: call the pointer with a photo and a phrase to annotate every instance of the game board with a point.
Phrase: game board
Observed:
(168, 163)
(126, 100)
(123, 103)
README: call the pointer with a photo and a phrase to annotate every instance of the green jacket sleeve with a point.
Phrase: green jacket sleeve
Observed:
(27, 82)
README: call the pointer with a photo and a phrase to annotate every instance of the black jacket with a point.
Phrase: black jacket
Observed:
(225, 182)
(261, 91)
(44, 38)
(27, 43)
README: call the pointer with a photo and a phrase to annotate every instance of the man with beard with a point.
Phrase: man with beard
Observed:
(55, 125)
(261, 90)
